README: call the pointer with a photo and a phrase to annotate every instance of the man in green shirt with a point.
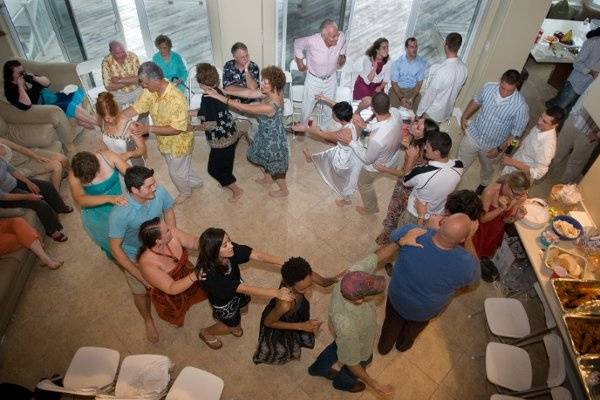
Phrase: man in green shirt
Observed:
(355, 323)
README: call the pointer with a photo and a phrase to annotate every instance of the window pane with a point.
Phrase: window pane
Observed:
(305, 16)
(34, 30)
(186, 24)
(436, 19)
(391, 18)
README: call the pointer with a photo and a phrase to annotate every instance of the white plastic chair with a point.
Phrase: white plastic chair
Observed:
(142, 376)
(510, 366)
(296, 91)
(343, 93)
(506, 317)
(195, 384)
(93, 67)
(92, 370)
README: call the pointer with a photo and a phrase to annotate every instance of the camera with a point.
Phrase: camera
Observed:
(27, 76)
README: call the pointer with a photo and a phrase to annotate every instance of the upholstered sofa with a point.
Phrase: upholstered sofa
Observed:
(42, 120)
(39, 133)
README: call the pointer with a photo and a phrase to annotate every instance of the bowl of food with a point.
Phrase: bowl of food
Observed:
(556, 257)
(566, 227)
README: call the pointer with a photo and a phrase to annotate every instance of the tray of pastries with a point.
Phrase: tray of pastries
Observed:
(576, 296)
(589, 368)
(584, 333)
(557, 257)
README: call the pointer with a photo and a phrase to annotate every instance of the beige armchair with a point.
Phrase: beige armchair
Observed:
(41, 125)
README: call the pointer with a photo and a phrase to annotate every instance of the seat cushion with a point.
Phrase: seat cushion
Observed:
(32, 135)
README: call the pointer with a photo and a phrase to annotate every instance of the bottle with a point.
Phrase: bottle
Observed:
(512, 146)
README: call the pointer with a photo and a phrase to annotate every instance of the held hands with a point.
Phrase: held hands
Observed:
(410, 238)
(285, 294)
(380, 167)
(300, 128)
(115, 79)
(344, 136)
(406, 102)
(139, 129)
(412, 152)
(312, 325)
(33, 196)
(118, 200)
(493, 153)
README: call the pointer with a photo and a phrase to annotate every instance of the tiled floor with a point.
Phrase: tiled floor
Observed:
(87, 301)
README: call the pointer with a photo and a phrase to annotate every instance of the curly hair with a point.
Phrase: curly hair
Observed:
(294, 270)
(160, 39)
(372, 50)
(275, 76)
(85, 166)
(207, 74)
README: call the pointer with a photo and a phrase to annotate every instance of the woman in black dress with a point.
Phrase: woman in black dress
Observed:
(223, 138)
(285, 326)
(218, 266)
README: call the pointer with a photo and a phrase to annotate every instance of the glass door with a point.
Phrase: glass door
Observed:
(32, 28)
(185, 22)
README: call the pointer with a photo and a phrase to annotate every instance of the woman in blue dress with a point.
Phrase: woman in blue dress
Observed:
(171, 63)
(96, 186)
(23, 89)
(269, 149)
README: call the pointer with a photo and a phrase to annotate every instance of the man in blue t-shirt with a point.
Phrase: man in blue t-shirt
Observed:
(425, 279)
(145, 200)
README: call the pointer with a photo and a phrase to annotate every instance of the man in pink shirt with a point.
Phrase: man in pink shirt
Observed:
(320, 55)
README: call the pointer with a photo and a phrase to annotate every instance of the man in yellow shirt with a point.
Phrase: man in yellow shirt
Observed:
(169, 111)
(119, 74)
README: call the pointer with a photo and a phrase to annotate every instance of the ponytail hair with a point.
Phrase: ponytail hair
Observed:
(106, 106)
(149, 233)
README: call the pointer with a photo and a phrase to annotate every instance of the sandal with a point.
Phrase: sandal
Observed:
(238, 332)
(61, 237)
(67, 210)
(214, 344)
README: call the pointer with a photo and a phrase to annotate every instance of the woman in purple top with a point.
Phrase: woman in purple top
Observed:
(375, 70)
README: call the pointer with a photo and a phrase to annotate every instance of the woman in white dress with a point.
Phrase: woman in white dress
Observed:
(116, 132)
(338, 166)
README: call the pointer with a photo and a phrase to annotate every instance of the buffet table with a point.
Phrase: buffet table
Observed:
(529, 238)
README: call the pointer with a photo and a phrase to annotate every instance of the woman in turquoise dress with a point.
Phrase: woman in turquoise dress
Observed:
(269, 149)
(96, 187)
(171, 63)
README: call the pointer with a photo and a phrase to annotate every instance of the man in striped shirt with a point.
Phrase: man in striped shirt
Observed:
(503, 114)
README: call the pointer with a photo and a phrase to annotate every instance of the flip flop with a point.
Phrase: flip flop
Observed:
(214, 344)
(67, 210)
(238, 333)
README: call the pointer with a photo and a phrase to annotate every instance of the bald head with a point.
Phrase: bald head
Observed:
(455, 229)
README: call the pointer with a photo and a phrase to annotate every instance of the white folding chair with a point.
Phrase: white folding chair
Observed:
(506, 317)
(90, 76)
(510, 366)
(296, 91)
(557, 393)
(195, 384)
(142, 376)
(288, 106)
(92, 370)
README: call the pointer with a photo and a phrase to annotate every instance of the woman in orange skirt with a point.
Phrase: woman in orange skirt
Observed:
(16, 233)
(163, 262)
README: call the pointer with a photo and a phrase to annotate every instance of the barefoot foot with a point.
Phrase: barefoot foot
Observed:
(52, 264)
(307, 155)
(151, 332)
(266, 180)
(235, 196)
(342, 202)
(182, 198)
(363, 211)
(278, 193)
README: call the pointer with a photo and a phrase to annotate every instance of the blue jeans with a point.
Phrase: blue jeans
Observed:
(565, 98)
(344, 380)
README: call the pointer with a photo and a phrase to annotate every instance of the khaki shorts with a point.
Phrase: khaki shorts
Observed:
(136, 286)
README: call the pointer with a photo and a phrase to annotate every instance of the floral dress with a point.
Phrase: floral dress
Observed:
(269, 148)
